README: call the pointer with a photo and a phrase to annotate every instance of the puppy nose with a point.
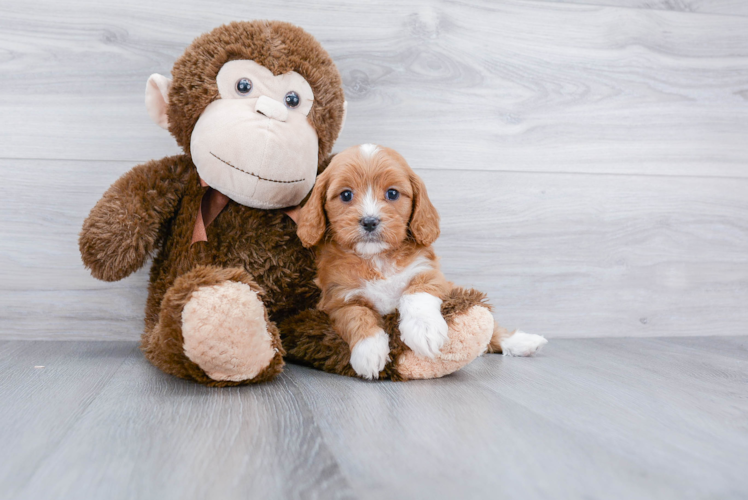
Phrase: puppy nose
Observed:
(369, 223)
(271, 108)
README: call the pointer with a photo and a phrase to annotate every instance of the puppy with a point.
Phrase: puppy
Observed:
(377, 255)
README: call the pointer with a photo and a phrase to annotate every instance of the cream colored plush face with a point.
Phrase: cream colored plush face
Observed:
(252, 146)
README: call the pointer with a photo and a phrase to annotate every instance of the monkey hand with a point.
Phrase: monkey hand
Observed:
(122, 229)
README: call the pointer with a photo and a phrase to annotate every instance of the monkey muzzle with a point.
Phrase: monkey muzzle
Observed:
(271, 108)
(256, 152)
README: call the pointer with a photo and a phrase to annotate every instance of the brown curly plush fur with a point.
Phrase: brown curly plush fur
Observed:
(151, 210)
(309, 337)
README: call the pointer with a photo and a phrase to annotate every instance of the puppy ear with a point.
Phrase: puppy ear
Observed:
(424, 221)
(324, 163)
(312, 220)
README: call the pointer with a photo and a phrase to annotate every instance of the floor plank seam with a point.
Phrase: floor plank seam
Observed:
(96, 160)
(639, 9)
(301, 398)
(455, 170)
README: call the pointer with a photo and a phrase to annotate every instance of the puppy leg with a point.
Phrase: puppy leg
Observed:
(422, 326)
(516, 343)
(470, 327)
(370, 345)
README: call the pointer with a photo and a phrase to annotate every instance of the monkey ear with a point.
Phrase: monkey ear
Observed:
(424, 222)
(342, 122)
(312, 220)
(157, 99)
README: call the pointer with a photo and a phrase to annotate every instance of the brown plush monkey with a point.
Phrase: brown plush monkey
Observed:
(256, 107)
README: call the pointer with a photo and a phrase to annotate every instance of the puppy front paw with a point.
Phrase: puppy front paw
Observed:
(422, 326)
(369, 355)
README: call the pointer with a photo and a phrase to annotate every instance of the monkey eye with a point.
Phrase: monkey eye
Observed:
(292, 99)
(393, 194)
(346, 196)
(243, 86)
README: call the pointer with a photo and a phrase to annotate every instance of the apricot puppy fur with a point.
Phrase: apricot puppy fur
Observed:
(372, 225)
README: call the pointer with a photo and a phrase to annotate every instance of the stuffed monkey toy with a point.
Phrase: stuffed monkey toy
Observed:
(256, 107)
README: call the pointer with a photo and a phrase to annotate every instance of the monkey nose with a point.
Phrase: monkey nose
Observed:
(271, 108)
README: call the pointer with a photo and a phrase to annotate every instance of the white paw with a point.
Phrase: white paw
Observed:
(369, 356)
(522, 344)
(422, 326)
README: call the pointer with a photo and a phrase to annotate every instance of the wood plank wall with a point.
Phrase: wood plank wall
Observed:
(589, 159)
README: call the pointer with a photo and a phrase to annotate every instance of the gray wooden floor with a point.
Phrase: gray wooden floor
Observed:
(595, 419)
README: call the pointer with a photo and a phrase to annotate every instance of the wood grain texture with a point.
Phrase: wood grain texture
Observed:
(561, 255)
(149, 435)
(45, 388)
(588, 161)
(596, 256)
(517, 85)
(603, 418)
(623, 393)
(598, 418)
(45, 291)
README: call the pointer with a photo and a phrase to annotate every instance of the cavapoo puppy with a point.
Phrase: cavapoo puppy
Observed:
(373, 225)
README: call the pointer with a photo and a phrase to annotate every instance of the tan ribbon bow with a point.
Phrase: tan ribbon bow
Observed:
(212, 204)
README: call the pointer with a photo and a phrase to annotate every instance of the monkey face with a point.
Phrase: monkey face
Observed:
(242, 106)
(255, 144)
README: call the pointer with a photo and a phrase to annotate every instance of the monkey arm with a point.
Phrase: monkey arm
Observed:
(123, 228)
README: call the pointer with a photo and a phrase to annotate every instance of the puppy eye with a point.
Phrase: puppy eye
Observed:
(243, 86)
(346, 196)
(393, 194)
(292, 99)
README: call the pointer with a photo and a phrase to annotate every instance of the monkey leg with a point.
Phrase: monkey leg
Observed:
(213, 329)
(471, 325)
(310, 339)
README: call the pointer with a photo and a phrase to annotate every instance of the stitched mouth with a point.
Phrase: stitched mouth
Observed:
(253, 174)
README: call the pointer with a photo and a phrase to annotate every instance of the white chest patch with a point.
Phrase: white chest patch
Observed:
(384, 294)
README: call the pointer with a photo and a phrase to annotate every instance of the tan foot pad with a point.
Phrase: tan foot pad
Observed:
(469, 335)
(225, 332)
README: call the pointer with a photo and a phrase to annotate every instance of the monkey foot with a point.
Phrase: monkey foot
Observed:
(225, 332)
(469, 334)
